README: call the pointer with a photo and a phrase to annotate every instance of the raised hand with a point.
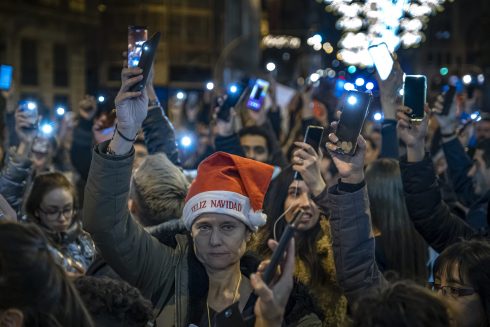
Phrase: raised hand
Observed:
(25, 127)
(413, 135)
(271, 304)
(389, 90)
(131, 107)
(306, 161)
(351, 168)
(448, 123)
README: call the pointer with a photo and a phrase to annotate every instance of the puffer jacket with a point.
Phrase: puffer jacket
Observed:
(14, 179)
(76, 248)
(171, 277)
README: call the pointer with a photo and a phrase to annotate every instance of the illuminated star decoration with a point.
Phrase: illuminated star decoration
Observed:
(395, 22)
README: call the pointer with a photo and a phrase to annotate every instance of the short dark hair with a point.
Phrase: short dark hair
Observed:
(472, 259)
(259, 131)
(114, 302)
(402, 304)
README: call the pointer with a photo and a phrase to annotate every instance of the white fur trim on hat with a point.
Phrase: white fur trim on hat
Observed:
(224, 202)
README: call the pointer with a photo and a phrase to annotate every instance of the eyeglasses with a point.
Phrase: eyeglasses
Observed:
(453, 291)
(55, 214)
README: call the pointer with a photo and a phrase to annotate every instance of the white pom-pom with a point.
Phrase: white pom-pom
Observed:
(257, 218)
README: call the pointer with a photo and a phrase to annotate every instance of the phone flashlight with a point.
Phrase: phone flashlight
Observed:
(101, 98)
(186, 141)
(31, 105)
(47, 129)
(352, 100)
(60, 111)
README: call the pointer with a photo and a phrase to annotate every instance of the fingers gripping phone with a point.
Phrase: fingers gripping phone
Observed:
(313, 137)
(233, 94)
(355, 107)
(29, 108)
(414, 95)
(257, 96)
(148, 52)
(383, 61)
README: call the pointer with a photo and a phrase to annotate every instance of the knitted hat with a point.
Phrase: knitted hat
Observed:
(231, 185)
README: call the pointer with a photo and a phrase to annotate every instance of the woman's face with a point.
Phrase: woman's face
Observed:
(467, 309)
(299, 197)
(56, 210)
(219, 240)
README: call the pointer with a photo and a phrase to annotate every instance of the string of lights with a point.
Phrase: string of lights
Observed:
(395, 22)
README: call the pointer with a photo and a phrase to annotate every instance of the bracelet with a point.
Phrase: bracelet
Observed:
(124, 137)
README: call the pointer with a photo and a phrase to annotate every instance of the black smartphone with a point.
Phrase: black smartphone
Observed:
(415, 95)
(149, 49)
(355, 106)
(448, 100)
(234, 93)
(313, 137)
(29, 108)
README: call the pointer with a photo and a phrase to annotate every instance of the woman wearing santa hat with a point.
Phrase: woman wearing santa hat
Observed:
(204, 272)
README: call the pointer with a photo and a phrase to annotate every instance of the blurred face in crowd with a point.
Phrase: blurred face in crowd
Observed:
(42, 151)
(219, 240)
(480, 173)
(372, 153)
(483, 130)
(140, 153)
(255, 147)
(56, 209)
(299, 197)
(464, 303)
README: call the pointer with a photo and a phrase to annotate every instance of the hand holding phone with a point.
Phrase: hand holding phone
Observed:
(355, 106)
(137, 36)
(234, 95)
(29, 114)
(313, 137)
(415, 96)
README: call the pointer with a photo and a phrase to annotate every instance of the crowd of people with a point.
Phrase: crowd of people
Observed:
(106, 221)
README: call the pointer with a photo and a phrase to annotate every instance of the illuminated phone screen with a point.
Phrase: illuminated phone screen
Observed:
(383, 61)
(137, 35)
(257, 96)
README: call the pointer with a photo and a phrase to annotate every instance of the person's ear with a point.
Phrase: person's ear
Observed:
(132, 207)
(11, 318)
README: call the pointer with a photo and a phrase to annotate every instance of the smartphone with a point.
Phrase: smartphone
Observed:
(234, 93)
(382, 58)
(149, 50)
(313, 137)
(355, 106)
(6, 73)
(415, 95)
(137, 35)
(257, 96)
(29, 108)
(448, 100)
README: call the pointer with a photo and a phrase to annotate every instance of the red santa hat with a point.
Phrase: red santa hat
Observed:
(230, 185)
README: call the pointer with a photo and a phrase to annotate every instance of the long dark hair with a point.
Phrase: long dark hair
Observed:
(30, 281)
(42, 185)
(405, 251)
(306, 244)
(472, 259)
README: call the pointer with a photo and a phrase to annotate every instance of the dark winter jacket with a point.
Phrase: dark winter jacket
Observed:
(431, 217)
(14, 178)
(459, 163)
(171, 277)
